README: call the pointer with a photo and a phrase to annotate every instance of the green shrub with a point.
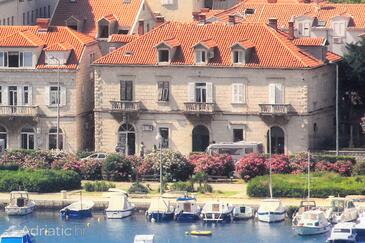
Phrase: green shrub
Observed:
(9, 166)
(138, 188)
(117, 168)
(84, 154)
(182, 186)
(98, 186)
(322, 185)
(39, 180)
(205, 188)
(359, 168)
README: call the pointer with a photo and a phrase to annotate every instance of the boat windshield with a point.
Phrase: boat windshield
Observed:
(270, 205)
(338, 205)
(310, 216)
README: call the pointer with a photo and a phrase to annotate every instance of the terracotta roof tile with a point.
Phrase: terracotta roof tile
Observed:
(208, 43)
(272, 49)
(171, 42)
(310, 41)
(245, 44)
(122, 38)
(50, 39)
(22, 39)
(93, 10)
(60, 46)
(333, 57)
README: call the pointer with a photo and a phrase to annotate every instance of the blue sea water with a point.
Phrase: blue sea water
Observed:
(50, 228)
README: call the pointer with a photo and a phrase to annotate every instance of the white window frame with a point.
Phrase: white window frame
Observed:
(28, 134)
(63, 96)
(339, 28)
(238, 93)
(276, 93)
(4, 62)
(163, 92)
(199, 54)
(241, 57)
(159, 56)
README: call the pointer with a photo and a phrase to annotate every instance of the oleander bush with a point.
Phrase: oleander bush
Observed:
(118, 168)
(138, 188)
(175, 165)
(39, 180)
(251, 165)
(98, 186)
(359, 168)
(323, 185)
(214, 165)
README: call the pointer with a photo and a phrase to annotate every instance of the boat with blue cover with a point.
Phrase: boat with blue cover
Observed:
(187, 209)
(160, 210)
(78, 210)
(13, 235)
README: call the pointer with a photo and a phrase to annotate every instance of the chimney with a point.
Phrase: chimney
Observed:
(43, 24)
(273, 23)
(196, 16)
(140, 27)
(202, 19)
(291, 30)
(231, 19)
(159, 20)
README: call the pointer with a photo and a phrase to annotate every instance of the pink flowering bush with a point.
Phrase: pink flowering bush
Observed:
(299, 163)
(280, 164)
(217, 165)
(251, 165)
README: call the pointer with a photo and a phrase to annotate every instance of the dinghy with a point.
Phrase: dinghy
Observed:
(78, 210)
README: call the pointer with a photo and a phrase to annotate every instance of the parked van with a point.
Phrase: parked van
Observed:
(236, 150)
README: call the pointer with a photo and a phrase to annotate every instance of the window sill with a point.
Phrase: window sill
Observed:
(55, 106)
(238, 103)
(163, 102)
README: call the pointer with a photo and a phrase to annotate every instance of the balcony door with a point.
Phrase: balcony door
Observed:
(200, 92)
(200, 138)
(126, 139)
(277, 140)
(13, 96)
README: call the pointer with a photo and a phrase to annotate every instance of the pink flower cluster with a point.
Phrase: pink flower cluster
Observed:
(252, 165)
(219, 165)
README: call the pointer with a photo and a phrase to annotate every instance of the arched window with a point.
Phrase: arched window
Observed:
(126, 139)
(52, 138)
(27, 138)
(4, 136)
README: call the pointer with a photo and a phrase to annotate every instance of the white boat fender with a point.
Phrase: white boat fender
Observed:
(153, 220)
(88, 225)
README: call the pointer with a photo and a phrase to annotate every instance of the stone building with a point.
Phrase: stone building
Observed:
(198, 83)
(32, 58)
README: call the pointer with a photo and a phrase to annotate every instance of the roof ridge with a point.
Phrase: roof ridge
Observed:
(72, 32)
(23, 33)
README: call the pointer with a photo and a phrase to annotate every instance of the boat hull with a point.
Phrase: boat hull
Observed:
(305, 230)
(217, 217)
(160, 217)
(73, 214)
(271, 217)
(118, 214)
(187, 217)
(18, 211)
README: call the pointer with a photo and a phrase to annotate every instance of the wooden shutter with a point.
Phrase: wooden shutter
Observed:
(191, 92)
(123, 90)
(129, 90)
(160, 90)
(46, 95)
(237, 93)
(30, 95)
(20, 92)
(279, 94)
(63, 96)
(166, 91)
(209, 92)
(5, 99)
(272, 90)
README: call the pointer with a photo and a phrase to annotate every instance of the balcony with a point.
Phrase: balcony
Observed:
(199, 108)
(125, 106)
(20, 111)
(274, 109)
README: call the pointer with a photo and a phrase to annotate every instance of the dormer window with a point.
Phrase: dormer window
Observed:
(107, 26)
(242, 51)
(54, 58)
(238, 57)
(201, 56)
(204, 50)
(163, 56)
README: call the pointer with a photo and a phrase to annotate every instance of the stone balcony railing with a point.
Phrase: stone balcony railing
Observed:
(274, 109)
(125, 106)
(199, 108)
(18, 110)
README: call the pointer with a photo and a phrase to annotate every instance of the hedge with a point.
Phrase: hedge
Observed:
(322, 185)
(39, 180)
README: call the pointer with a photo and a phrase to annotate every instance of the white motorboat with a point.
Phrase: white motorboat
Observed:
(160, 210)
(15, 235)
(360, 228)
(19, 204)
(144, 239)
(217, 212)
(271, 210)
(341, 210)
(119, 206)
(187, 209)
(343, 233)
(80, 209)
(312, 222)
(305, 205)
(242, 212)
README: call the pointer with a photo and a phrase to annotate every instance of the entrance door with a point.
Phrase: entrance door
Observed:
(127, 139)
(13, 95)
(200, 138)
(277, 140)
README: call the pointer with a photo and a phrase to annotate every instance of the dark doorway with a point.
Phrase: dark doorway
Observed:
(127, 139)
(208, 4)
(200, 138)
(277, 140)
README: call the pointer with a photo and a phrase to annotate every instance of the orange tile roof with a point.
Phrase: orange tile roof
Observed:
(22, 39)
(60, 46)
(122, 38)
(333, 57)
(50, 39)
(285, 12)
(209, 43)
(272, 49)
(310, 41)
(171, 42)
(93, 10)
(245, 44)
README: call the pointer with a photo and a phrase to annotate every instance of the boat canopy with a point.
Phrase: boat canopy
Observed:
(313, 215)
(77, 206)
(215, 207)
(118, 202)
(159, 205)
(270, 205)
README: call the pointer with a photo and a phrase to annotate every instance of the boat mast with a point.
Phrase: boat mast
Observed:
(309, 182)
(270, 169)
(161, 184)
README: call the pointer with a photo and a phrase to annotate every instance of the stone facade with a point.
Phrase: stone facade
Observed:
(308, 93)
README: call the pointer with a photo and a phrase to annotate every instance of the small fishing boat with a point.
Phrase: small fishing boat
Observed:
(144, 239)
(160, 210)
(186, 209)
(312, 222)
(341, 210)
(217, 212)
(119, 207)
(242, 212)
(200, 233)
(13, 235)
(342, 233)
(78, 210)
(271, 210)
(19, 204)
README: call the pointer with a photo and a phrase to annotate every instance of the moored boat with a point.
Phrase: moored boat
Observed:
(187, 209)
(242, 212)
(341, 210)
(271, 211)
(119, 207)
(78, 210)
(217, 212)
(312, 222)
(19, 204)
(305, 205)
(14, 235)
(342, 233)
(160, 210)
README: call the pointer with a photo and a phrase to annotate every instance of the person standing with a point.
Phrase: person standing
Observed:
(141, 150)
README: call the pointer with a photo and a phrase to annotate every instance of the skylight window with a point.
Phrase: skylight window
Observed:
(249, 11)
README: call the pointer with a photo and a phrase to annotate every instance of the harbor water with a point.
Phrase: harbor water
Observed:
(48, 227)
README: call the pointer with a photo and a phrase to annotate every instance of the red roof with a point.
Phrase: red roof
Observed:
(272, 49)
(91, 11)
(55, 38)
(245, 44)
(333, 57)
(122, 38)
(310, 41)
(285, 12)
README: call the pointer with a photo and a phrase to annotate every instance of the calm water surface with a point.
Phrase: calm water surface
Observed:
(51, 229)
